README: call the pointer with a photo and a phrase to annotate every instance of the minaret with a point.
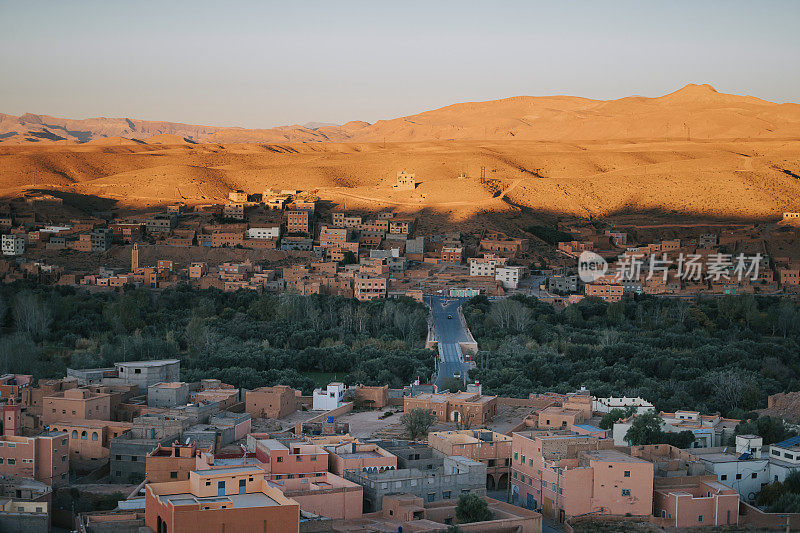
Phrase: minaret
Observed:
(135, 257)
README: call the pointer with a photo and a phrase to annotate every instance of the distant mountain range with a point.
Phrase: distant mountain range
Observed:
(696, 112)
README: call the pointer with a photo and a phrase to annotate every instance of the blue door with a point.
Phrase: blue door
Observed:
(531, 503)
(221, 488)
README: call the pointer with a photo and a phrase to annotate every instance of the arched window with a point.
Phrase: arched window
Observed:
(74, 434)
(94, 436)
(83, 435)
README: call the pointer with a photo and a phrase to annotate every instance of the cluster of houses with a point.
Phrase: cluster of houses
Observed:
(710, 263)
(362, 256)
(290, 241)
(200, 459)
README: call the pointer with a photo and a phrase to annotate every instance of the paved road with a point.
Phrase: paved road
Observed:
(448, 332)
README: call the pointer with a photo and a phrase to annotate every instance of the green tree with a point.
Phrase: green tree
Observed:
(608, 420)
(645, 429)
(472, 508)
(788, 502)
(417, 422)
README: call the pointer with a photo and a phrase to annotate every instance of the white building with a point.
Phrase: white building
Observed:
(708, 430)
(742, 467)
(486, 265)
(508, 276)
(266, 232)
(784, 457)
(330, 398)
(13, 244)
(605, 405)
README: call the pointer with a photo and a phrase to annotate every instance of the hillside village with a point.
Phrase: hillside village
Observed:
(287, 241)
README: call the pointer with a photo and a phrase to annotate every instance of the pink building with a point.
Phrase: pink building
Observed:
(325, 495)
(298, 460)
(568, 475)
(44, 458)
(692, 501)
(359, 456)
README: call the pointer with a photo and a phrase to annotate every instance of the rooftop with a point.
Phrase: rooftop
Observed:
(141, 364)
(613, 456)
(257, 499)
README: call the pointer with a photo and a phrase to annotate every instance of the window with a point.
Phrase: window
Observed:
(700, 518)
(523, 459)
(83, 435)
(431, 496)
(299, 459)
(173, 475)
(627, 473)
(279, 459)
(754, 475)
(74, 434)
(626, 492)
(12, 461)
(515, 456)
(446, 495)
(119, 458)
(1, 460)
(723, 477)
(134, 458)
(738, 476)
(94, 436)
(64, 442)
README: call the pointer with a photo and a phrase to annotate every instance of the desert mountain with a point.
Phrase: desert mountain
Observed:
(695, 112)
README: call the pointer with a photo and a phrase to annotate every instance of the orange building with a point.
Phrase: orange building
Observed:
(271, 402)
(76, 404)
(297, 221)
(89, 439)
(297, 460)
(452, 254)
(560, 417)
(567, 475)
(374, 397)
(608, 292)
(490, 448)
(365, 289)
(33, 397)
(44, 458)
(465, 407)
(171, 463)
(225, 499)
(327, 495)
(789, 276)
(693, 501)
(359, 456)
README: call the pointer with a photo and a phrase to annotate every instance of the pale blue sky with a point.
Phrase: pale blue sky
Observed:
(262, 64)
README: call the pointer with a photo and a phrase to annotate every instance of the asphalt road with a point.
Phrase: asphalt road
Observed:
(448, 332)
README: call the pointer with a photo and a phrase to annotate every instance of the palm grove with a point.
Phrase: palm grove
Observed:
(245, 338)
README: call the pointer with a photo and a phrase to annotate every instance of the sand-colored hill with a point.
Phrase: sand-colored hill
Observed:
(692, 152)
(726, 180)
(694, 112)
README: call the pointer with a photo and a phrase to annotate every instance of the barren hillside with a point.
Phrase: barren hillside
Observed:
(734, 179)
(694, 112)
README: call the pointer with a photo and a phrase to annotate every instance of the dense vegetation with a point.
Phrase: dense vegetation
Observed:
(245, 338)
(712, 354)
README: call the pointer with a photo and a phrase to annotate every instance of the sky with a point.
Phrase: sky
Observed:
(264, 64)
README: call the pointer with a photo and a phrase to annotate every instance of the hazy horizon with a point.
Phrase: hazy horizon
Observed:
(257, 66)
